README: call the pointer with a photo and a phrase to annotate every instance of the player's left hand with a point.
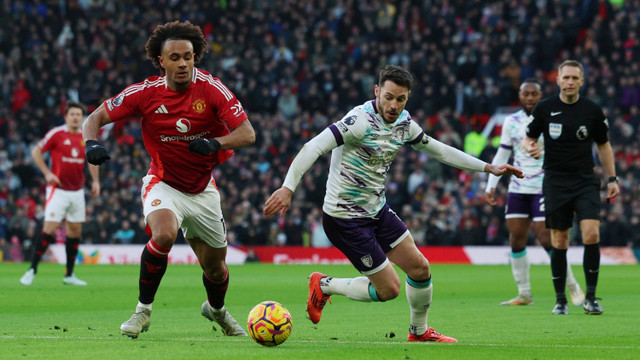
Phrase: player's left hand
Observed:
(490, 196)
(204, 146)
(505, 169)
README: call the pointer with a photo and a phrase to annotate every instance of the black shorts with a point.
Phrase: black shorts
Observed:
(566, 194)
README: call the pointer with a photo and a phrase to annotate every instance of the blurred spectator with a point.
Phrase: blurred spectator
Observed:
(125, 234)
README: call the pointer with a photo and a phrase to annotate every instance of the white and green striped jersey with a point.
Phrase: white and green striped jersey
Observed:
(512, 138)
(355, 187)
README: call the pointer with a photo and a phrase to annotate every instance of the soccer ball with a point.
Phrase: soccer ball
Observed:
(269, 323)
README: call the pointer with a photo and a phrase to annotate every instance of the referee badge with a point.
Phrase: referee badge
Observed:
(555, 130)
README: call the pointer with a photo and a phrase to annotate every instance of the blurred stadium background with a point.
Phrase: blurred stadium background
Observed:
(298, 66)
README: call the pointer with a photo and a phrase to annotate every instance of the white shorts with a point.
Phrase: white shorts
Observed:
(63, 204)
(198, 215)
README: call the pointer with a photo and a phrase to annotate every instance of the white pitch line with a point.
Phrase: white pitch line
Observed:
(220, 339)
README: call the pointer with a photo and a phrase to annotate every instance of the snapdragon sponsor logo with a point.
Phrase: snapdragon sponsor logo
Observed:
(72, 160)
(166, 138)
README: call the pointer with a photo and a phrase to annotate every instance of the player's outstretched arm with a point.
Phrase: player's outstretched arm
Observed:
(457, 158)
(504, 169)
(279, 201)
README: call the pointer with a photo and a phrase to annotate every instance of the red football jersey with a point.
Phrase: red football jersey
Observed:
(173, 119)
(67, 156)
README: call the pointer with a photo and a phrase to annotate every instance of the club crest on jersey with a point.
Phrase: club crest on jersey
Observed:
(367, 260)
(118, 100)
(156, 202)
(582, 133)
(199, 106)
(183, 125)
(555, 130)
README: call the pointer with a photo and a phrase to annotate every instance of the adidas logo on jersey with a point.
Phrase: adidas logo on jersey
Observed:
(67, 142)
(161, 110)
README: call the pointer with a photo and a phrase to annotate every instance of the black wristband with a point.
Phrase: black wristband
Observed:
(612, 179)
(214, 144)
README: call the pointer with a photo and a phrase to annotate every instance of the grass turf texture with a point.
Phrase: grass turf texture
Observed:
(49, 320)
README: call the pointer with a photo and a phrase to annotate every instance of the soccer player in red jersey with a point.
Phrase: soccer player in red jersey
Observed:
(186, 116)
(65, 189)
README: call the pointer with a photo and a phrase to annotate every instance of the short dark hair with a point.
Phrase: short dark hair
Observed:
(573, 63)
(397, 75)
(532, 81)
(74, 104)
(175, 31)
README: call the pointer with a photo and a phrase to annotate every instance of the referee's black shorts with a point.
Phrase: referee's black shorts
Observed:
(569, 193)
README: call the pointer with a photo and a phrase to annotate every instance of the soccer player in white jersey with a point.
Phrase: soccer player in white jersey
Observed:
(525, 202)
(356, 217)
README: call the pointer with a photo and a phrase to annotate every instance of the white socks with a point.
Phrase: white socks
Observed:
(143, 306)
(354, 288)
(419, 296)
(520, 269)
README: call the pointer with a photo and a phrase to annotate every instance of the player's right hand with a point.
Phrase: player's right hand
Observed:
(52, 179)
(95, 153)
(280, 201)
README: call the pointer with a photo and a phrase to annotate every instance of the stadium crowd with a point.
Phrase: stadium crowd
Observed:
(298, 66)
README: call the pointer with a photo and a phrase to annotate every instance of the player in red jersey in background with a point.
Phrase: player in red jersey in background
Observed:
(186, 115)
(65, 190)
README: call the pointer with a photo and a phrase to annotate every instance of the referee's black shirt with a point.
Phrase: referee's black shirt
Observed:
(569, 132)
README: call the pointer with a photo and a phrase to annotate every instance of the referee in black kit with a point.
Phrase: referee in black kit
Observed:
(570, 124)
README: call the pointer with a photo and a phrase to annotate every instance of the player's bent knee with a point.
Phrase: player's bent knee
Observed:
(216, 274)
(164, 237)
(388, 293)
(421, 272)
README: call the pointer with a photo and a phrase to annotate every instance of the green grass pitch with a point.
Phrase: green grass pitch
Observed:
(49, 320)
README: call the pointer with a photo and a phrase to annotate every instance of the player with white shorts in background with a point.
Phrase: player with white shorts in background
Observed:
(64, 190)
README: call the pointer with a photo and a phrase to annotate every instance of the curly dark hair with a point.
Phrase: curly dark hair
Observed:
(175, 31)
(396, 74)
